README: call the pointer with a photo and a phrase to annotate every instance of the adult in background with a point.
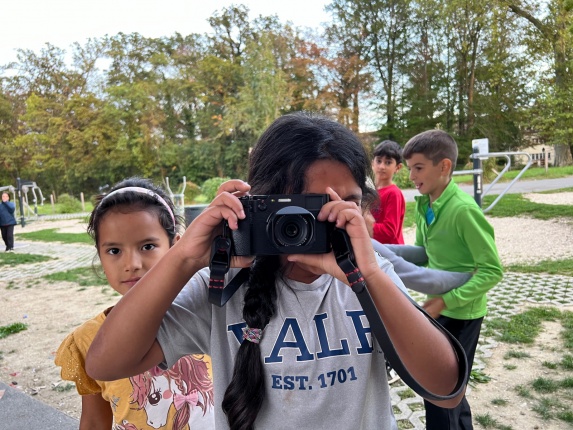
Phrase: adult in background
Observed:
(7, 221)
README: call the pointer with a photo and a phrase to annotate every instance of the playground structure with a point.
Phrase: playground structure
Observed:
(178, 199)
(20, 194)
(480, 152)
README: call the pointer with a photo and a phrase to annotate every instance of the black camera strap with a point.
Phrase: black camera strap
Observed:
(345, 258)
(219, 265)
(219, 294)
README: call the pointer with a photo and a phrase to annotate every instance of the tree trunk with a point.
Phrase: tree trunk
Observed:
(562, 156)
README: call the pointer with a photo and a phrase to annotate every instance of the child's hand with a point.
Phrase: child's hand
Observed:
(434, 306)
(199, 236)
(346, 215)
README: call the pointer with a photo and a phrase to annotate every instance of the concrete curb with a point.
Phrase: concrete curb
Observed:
(19, 411)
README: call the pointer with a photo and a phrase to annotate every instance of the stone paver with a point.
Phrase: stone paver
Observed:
(65, 257)
(506, 299)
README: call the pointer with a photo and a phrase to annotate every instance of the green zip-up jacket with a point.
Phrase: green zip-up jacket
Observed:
(460, 239)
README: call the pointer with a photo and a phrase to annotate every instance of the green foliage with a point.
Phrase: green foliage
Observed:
(545, 385)
(14, 328)
(69, 204)
(210, 187)
(68, 386)
(192, 190)
(516, 354)
(478, 376)
(486, 421)
(83, 276)
(192, 105)
(410, 215)
(13, 258)
(524, 327)
(53, 235)
(551, 267)
(512, 205)
(402, 179)
(567, 362)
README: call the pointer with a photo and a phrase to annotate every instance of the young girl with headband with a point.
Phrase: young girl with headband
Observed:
(133, 226)
(292, 348)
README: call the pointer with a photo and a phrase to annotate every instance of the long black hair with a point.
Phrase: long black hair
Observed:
(278, 165)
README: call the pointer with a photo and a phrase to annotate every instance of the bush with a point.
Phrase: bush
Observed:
(402, 179)
(192, 190)
(210, 187)
(68, 204)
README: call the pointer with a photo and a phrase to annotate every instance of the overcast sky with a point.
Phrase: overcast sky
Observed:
(29, 24)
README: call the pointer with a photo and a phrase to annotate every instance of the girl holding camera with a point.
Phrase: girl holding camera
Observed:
(292, 348)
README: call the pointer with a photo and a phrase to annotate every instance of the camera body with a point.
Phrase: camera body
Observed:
(282, 224)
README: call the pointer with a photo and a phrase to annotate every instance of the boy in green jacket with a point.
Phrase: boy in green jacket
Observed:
(458, 238)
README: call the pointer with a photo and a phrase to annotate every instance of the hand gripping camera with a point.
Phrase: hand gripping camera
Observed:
(282, 224)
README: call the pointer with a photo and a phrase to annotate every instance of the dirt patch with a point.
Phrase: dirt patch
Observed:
(512, 375)
(565, 198)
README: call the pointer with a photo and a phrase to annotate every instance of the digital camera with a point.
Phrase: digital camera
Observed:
(282, 224)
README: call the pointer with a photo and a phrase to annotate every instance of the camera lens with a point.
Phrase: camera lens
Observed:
(292, 230)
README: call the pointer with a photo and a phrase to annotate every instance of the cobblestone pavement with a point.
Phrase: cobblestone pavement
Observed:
(68, 257)
(506, 299)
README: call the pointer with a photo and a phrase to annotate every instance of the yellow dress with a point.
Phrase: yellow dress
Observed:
(179, 398)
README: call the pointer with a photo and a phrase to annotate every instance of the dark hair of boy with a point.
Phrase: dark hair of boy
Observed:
(435, 145)
(389, 149)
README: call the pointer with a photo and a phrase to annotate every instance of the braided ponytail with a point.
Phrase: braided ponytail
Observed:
(245, 394)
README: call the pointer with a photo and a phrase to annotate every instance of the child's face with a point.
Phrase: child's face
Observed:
(129, 245)
(385, 167)
(328, 173)
(429, 179)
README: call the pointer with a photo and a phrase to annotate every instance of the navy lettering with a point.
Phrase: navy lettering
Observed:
(361, 331)
(299, 343)
(323, 339)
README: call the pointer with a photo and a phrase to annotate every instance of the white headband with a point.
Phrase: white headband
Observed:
(143, 191)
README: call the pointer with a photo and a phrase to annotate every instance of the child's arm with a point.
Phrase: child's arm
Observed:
(126, 343)
(96, 413)
(421, 279)
(424, 350)
(411, 253)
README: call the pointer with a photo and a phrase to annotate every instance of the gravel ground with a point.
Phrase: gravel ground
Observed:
(527, 240)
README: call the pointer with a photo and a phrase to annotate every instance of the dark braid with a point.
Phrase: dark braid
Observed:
(246, 392)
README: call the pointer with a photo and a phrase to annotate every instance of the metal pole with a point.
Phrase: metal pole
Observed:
(478, 177)
(19, 186)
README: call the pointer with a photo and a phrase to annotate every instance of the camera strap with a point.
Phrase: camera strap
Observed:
(219, 294)
(345, 258)
(219, 265)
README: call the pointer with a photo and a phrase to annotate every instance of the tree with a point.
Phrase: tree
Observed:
(553, 25)
(384, 25)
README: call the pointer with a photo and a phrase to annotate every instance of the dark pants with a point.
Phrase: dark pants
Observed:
(8, 235)
(460, 417)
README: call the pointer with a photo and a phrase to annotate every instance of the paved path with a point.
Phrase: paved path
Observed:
(18, 410)
(68, 257)
(520, 186)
